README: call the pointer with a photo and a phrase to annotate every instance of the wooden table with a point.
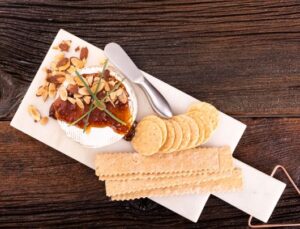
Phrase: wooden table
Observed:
(243, 57)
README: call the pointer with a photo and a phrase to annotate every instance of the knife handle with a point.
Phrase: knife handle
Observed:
(156, 99)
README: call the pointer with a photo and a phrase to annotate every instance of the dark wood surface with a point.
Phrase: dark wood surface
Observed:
(243, 56)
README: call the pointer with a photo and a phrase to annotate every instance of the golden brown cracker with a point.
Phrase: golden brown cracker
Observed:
(231, 183)
(186, 132)
(208, 129)
(148, 138)
(178, 136)
(170, 138)
(197, 159)
(129, 186)
(160, 122)
(201, 127)
(208, 110)
(194, 131)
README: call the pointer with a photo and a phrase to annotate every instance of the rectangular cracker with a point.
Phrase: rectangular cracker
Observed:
(149, 176)
(133, 163)
(131, 186)
(232, 183)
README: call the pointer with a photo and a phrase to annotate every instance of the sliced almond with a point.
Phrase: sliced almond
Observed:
(71, 69)
(40, 91)
(71, 100)
(90, 80)
(79, 82)
(113, 96)
(46, 84)
(34, 113)
(63, 64)
(84, 52)
(52, 90)
(112, 83)
(63, 93)
(58, 78)
(123, 98)
(77, 63)
(65, 45)
(44, 121)
(106, 87)
(87, 99)
(119, 91)
(59, 57)
(79, 103)
(76, 95)
(45, 93)
(70, 79)
(83, 91)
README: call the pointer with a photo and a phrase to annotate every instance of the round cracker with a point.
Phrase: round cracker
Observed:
(178, 136)
(148, 138)
(200, 125)
(170, 138)
(186, 131)
(209, 110)
(194, 131)
(160, 122)
(208, 128)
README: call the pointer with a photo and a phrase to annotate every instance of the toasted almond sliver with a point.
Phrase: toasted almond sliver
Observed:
(83, 91)
(71, 69)
(44, 121)
(63, 94)
(52, 90)
(113, 96)
(63, 64)
(39, 91)
(71, 100)
(76, 95)
(90, 80)
(119, 91)
(34, 113)
(77, 63)
(106, 87)
(79, 103)
(123, 98)
(87, 99)
(79, 82)
(45, 94)
(59, 57)
(69, 79)
(112, 83)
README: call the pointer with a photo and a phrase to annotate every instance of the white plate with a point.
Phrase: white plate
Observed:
(98, 137)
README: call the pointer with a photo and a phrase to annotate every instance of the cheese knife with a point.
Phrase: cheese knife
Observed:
(119, 58)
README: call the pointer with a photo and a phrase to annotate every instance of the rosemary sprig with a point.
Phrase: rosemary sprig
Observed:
(94, 107)
(99, 104)
(86, 123)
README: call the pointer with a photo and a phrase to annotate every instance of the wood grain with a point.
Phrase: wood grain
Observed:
(40, 186)
(243, 57)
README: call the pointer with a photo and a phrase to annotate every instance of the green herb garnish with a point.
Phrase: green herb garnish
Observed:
(86, 123)
(98, 103)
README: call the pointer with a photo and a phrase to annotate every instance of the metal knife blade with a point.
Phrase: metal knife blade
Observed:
(119, 58)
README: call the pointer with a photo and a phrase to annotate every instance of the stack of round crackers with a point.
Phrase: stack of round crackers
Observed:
(184, 131)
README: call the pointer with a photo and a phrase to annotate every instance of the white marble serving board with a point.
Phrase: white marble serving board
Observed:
(259, 196)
